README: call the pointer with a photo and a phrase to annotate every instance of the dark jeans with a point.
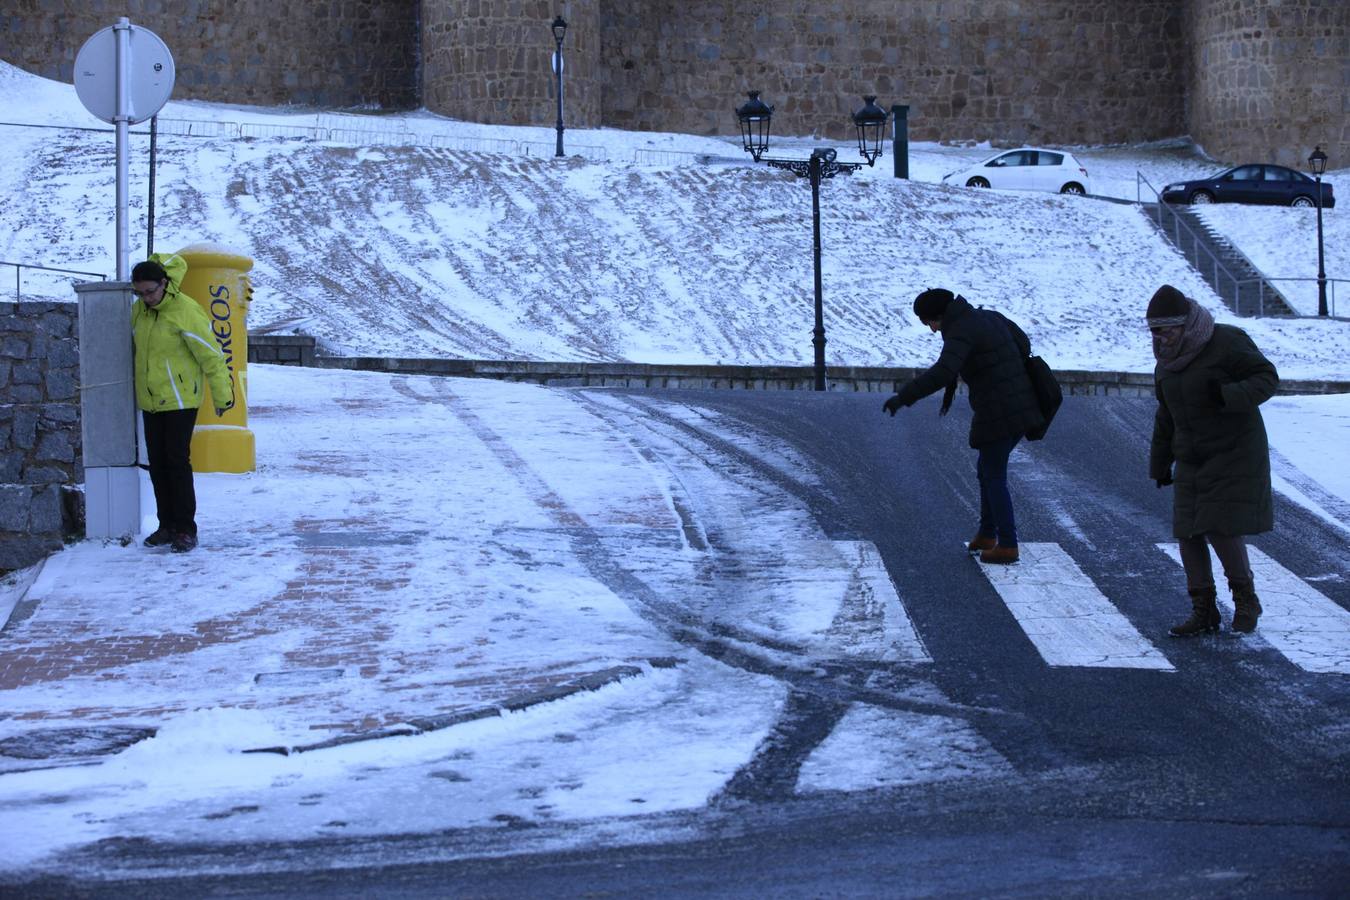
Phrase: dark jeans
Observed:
(996, 509)
(168, 443)
(1232, 553)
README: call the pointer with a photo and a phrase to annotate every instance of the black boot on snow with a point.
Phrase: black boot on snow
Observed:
(1204, 618)
(1247, 608)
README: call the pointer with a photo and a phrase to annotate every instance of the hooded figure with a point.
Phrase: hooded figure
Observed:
(176, 355)
(1209, 444)
(988, 352)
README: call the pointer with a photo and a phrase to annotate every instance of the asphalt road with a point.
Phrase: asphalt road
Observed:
(1227, 777)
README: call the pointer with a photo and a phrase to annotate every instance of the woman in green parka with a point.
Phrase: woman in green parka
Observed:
(176, 355)
(1209, 444)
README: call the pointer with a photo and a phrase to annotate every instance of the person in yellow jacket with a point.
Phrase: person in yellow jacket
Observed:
(176, 354)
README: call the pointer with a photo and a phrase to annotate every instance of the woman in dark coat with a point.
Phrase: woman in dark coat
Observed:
(988, 352)
(1209, 443)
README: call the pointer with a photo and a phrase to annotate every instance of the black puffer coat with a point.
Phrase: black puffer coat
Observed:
(1222, 477)
(989, 353)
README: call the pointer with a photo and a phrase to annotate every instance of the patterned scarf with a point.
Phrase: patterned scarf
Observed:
(1198, 328)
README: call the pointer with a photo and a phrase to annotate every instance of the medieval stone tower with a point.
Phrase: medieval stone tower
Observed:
(1247, 79)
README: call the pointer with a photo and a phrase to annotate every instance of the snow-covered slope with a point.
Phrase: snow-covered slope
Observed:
(419, 251)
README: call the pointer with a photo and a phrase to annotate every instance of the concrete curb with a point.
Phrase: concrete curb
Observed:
(300, 350)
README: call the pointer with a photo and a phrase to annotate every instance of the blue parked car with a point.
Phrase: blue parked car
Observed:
(1274, 185)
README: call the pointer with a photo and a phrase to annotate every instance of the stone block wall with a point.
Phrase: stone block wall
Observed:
(1053, 71)
(491, 61)
(1248, 79)
(1270, 80)
(329, 53)
(39, 428)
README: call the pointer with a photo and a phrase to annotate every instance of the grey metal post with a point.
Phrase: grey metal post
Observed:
(108, 411)
(122, 124)
(900, 139)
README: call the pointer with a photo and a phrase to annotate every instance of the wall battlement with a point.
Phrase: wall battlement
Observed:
(1247, 79)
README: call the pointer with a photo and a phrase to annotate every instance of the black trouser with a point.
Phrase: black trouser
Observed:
(168, 445)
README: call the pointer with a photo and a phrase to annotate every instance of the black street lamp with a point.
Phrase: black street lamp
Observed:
(1318, 163)
(754, 116)
(559, 29)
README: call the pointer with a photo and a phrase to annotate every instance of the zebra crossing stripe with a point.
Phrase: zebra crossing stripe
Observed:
(871, 601)
(1066, 617)
(1303, 624)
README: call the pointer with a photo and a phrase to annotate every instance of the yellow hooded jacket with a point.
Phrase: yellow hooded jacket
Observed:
(175, 349)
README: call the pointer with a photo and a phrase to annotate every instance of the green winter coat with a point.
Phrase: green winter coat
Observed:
(176, 353)
(1208, 424)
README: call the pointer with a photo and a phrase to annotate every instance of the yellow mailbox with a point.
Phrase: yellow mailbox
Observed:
(217, 278)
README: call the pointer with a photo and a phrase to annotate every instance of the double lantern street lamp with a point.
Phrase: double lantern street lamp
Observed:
(1318, 163)
(754, 116)
(559, 30)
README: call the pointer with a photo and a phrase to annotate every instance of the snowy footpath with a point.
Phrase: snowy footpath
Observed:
(447, 603)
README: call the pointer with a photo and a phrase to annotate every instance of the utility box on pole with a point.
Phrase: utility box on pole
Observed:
(108, 411)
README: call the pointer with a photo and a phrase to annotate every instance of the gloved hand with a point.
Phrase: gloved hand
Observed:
(1164, 481)
(221, 410)
(947, 396)
(1215, 388)
(892, 405)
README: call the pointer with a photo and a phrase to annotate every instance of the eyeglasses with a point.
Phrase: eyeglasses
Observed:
(147, 293)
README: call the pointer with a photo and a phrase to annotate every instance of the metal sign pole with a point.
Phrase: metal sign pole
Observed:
(122, 121)
(150, 211)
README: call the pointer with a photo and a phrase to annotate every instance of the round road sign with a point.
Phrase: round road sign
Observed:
(150, 74)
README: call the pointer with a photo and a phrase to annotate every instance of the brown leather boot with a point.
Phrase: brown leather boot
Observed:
(981, 542)
(1246, 607)
(1204, 618)
(1000, 554)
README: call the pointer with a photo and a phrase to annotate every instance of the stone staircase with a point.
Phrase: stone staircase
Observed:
(1228, 271)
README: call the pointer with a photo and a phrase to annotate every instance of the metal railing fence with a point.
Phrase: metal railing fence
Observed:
(18, 274)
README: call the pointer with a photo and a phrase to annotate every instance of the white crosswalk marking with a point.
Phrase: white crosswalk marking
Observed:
(1300, 622)
(1066, 617)
(871, 596)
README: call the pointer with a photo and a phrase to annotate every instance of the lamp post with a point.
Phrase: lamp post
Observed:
(1318, 163)
(559, 30)
(754, 116)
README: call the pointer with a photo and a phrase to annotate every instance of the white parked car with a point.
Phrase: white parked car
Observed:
(1026, 169)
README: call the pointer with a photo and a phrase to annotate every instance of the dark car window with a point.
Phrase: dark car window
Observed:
(1016, 158)
(1279, 173)
(1245, 173)
(1045, 158)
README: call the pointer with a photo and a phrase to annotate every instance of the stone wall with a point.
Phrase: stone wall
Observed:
(1055, 71)
(329, 53)
(39, 428)
(1248, 79)
(1270, 80)
(491, 61)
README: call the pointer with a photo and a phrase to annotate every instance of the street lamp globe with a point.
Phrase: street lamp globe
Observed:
(1317, 162)
(870, 121)
(754, 115)
(559, 29)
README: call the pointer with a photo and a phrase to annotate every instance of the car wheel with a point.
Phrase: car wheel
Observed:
(1074, 188)
(1303, 202)
(1202, 197)
(977, 181)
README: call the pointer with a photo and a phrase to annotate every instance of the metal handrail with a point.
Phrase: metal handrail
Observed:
(19, 267)
(1331, 300)
(351, 136)
(1178, 225)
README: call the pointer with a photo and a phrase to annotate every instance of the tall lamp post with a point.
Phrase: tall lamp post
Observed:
(1318, 163)
(754, 116)
(559, 30)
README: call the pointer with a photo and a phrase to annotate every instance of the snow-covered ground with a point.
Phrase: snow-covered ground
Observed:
(617, 254)
(427, 251)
